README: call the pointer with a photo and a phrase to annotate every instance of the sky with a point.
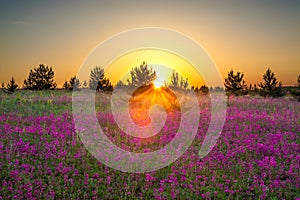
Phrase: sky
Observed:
(246, 36)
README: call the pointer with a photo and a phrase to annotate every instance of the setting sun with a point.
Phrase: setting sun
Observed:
(144, 97)
(163, 62)
(157, 84)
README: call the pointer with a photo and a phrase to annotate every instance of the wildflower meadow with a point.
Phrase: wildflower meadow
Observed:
(42, 157)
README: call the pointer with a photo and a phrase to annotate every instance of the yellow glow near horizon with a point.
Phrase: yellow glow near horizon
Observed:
(161, 61)
(157, 84)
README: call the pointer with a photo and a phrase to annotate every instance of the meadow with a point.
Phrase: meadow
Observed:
(41, 157)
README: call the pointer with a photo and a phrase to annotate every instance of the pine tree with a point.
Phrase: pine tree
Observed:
(184, 83)
(174, 80)
(234, 83)
(270, 86)
(74, 83)
(40, 78)
(178, 82)
(141, 76)
(98, 81)
(66, 85)
(11, 86)
(96, 76)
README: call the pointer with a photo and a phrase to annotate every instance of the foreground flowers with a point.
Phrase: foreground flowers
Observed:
(257, 156)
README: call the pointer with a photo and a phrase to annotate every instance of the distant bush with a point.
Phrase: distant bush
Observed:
(73, 84)
(203, 89)
(296, 90)
(252, 90)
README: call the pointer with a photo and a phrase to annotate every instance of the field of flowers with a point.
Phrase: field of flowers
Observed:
(41, 157)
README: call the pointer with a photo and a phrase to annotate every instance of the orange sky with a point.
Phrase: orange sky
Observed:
(162, 62)
(247, 36)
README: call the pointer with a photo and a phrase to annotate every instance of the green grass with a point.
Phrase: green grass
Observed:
(36, 103)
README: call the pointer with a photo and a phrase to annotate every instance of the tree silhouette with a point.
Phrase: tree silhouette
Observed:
(270, 86)
(73, 84)
(184, 83)
(11, 86)
(40, 78)
(104, 85)
(98, 81)
(141, 76)
(234, 83)
(298, 93)
(177, 83)
(294, 90)
(120, 84)
(84, 84)
(204, 89)
(195, 89)
(252, 89)
(66, 85)
(96, 75)
(174, 80)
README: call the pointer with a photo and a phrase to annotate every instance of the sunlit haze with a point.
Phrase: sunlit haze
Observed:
(246, 36)
(161, 61)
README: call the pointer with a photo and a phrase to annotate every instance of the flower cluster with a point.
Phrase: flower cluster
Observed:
(256, 156)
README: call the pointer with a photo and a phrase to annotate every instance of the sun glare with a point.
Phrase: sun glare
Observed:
(157, 84)
(163, 62)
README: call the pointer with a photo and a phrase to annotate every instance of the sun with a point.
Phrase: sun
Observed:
(157, 84)
(162, 73)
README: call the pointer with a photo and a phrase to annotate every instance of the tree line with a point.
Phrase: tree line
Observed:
(269, 87)
(42, 78)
